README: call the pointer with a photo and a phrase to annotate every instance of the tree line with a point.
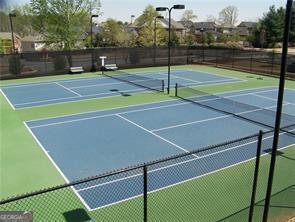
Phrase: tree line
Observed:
(65, 25)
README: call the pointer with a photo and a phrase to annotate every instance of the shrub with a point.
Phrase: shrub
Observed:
(60, 62)
(15, 65)
(291, 67)
(134, 56)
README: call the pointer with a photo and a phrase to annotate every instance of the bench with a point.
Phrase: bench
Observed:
(77, 69)
(110, 67)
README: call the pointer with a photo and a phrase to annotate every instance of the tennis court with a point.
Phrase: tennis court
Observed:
(52, 92)
(91, 143)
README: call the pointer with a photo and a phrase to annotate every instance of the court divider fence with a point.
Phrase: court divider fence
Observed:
(58, 62)
(216, 183)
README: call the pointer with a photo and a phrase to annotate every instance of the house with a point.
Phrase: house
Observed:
(176, 26)
(6, 40)
(205, 27)
(249, 26)
(164, 22)
(226, 29)
(32, 43)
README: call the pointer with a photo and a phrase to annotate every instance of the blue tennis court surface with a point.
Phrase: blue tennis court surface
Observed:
(45, 93)
(91, 143)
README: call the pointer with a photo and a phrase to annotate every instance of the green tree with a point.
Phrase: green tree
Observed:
(188, 18)
(190, 39)
(228, 15)
(22, 23)
(145, 26)
(1, 47)
(269, 30)
(208, 38)
(175, 41)
(223, 38)
(114, 34)
(62, 22)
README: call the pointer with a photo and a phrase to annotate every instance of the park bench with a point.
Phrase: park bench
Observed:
(77, 69)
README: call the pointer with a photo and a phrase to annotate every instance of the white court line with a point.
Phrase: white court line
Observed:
(193, 178)
(28, 85)
(71, 97)
(210, 119)
(56, 166)
(72, 80)
(112, 114)
(53, 81)
(143, 104)
(173, 144)
(68, 89)
(133, 111)
(191, 80)
(172, 165)
(7, 99)
(191, 123)
(100, 84)
(214, 74)
(266, 97)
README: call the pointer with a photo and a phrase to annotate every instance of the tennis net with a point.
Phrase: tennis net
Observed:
(137, 80)
(251, 113)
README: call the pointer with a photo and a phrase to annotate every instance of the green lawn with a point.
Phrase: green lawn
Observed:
(25, 168)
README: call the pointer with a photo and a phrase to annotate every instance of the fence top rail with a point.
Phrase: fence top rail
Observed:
(123, 170)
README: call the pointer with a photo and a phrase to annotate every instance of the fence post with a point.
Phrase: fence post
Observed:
(216, 57)
(187, 55)
(145, 193)
(233, 58)
(272, 61)
(255, 179)
(251, 60)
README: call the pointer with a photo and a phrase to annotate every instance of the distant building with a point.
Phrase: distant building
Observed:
(6, 40)
(176, 26)
(32, 43)
(205, 27)
(226, 29)
(247, 25)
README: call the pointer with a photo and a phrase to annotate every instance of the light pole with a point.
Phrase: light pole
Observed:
(155, 35)
(280, 102)
(12, 14)
(161, 9)
(93, 69)
(132, 17)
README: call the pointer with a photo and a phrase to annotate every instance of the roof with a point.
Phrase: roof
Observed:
(205, 25)
(7, 35)
(174, 24)
(97, 29)
(247, 24)
(32, 38)
(242, 31)
(224, 26)
(190, 23)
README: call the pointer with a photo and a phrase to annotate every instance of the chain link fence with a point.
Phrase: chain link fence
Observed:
(210, 184)
(249, 60)
(59, 62)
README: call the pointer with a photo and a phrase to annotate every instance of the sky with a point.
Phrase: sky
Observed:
(249, 10)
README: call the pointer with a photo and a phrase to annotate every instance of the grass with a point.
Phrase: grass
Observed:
(25, 168)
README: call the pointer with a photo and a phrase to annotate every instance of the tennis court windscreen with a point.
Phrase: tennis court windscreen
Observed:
(254, 114)
(138, 80)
